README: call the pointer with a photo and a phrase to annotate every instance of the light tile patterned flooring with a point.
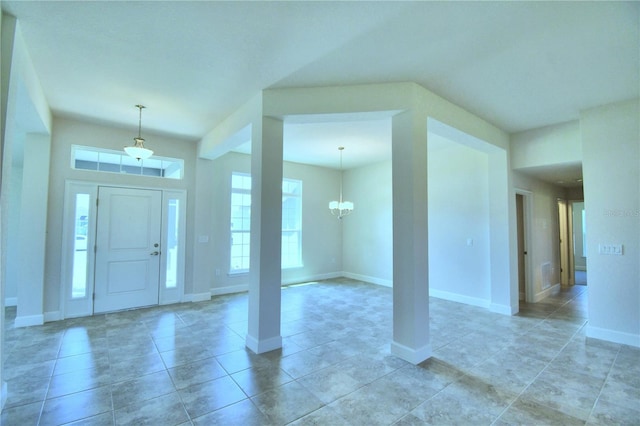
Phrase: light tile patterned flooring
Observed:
(186, 364)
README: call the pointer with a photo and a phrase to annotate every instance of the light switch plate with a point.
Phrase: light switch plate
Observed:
(611, 249)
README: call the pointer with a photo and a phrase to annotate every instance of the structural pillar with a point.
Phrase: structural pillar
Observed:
(410, 240)
(266, 236)
(33, 230)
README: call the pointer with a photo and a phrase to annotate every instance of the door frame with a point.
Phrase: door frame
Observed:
(571, 245)
(78, 307)
(527, 210)
(563, 240)
(572, 233)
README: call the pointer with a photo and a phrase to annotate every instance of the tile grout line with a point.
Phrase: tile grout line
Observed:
(46, 393)
(604, 383)
(545, 367)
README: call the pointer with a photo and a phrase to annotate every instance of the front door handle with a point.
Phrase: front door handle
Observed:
(155, 253)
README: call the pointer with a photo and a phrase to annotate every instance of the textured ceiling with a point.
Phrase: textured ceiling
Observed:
(519, 65)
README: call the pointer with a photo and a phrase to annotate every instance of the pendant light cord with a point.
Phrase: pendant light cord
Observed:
(341, 172)
(140, 121)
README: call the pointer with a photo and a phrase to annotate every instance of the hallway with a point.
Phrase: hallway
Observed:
(186, 364)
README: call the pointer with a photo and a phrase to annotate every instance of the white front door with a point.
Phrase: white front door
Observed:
(128, 235)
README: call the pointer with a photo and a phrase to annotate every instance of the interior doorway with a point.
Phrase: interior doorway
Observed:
(523, 227)
(579, 237)
(564, 238)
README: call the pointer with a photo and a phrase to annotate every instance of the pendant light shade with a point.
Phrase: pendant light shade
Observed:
(138, 151)
(340, 208)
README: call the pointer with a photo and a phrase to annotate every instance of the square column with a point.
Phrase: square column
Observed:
(32, 230)
(410, 239)
(266, 237)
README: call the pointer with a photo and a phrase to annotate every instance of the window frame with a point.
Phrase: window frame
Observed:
(297, 230)
(245, 231)
(120, 167)
(246, 191)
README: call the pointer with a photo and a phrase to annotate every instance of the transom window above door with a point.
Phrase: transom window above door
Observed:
(110, 161)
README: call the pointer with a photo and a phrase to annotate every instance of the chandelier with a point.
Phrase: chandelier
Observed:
(340, 208)
(138, 151)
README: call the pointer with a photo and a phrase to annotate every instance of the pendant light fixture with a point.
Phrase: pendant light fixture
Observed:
(341, 208)
(138, 151)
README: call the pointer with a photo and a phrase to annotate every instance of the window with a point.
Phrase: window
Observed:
(172, 266)
(291, 223)
(173, 236)
(81, 221)
(241, 222)
(106, 160)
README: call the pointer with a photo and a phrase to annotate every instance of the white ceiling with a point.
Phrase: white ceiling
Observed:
(519, 65)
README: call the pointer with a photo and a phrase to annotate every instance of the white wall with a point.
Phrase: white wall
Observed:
(203, 266)
(367, 233)
(67, 132)
(459, 237)
(321, 235)
(13, 237)
(33, 230)
(543, 240)
(611, 148)
(3, 221)
(24, 110)
(556, 144)
(322, 249)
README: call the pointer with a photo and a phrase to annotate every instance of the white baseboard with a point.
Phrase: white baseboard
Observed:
(368, 279)
(262, 346)
(29, 320)
(414, 356)
(504, 309)
(232, 289)
(11, 301)
(218, 291)
(197, 297)
(317, 277)
(460, 298)
(613, 336)
(546, 293)
(52, 316)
